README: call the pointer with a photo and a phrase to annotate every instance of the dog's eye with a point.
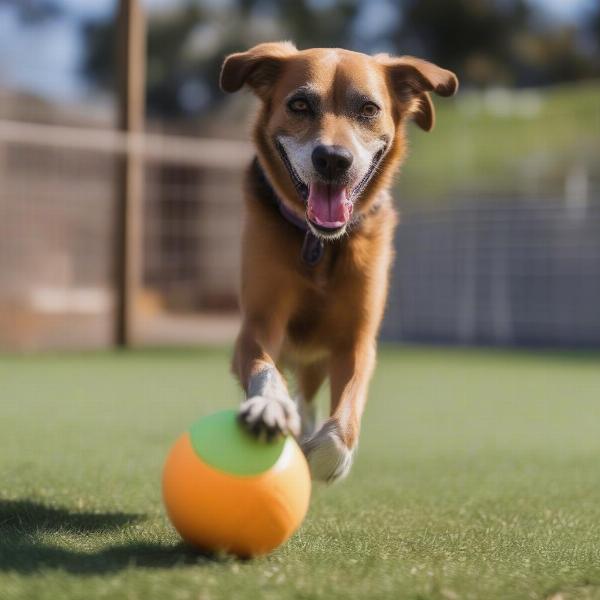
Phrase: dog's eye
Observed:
(369, 110)
(299, 105)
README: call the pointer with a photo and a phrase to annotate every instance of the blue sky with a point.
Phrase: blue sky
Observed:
(45, 59)
(564, 9)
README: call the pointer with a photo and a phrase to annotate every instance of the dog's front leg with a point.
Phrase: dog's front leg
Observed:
(268, 411)
(330, 450)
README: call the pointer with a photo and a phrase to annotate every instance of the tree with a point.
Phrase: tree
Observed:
(175, 67)
(487, 42)
(472, 37)
(167, 67)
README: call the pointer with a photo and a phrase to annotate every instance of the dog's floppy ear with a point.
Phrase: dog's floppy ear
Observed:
(258, 67)
(411, 79)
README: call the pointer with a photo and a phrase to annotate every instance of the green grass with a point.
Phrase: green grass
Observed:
(474, 147)
(478, 476)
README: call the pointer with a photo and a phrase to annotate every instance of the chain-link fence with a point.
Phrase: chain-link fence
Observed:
(57, 237)
(507, 271)
(516, 269)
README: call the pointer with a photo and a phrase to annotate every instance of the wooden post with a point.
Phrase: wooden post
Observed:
(131, 66)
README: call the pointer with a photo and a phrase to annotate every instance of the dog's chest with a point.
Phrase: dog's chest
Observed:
(317, 317)
(305, 325)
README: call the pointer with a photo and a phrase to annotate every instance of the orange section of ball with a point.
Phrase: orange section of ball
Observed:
(244, 515)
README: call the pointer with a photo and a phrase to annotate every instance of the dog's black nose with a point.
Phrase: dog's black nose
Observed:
(331, 162)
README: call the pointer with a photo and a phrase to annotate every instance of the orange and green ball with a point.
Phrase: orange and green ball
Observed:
(224, 490)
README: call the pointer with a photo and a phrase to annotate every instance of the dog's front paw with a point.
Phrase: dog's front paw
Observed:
(269, 417)
(328, 456)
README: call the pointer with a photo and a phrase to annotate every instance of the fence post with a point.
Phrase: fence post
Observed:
(131, 67)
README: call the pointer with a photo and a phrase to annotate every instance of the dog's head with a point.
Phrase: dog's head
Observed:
(331, 128)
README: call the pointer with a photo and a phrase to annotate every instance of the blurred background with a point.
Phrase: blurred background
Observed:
(121, 165)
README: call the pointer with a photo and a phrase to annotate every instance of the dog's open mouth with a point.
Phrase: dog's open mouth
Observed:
(328, 206)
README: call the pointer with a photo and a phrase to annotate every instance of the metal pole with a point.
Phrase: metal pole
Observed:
(131, 66)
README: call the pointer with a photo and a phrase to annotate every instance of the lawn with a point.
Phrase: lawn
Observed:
(504, 141)
(478, 476)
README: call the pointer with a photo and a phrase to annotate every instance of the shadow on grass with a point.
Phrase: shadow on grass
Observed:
(22, 522)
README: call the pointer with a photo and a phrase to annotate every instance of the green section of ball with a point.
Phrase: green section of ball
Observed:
(221, 442)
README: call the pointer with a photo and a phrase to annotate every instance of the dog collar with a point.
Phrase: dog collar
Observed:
(313, 247)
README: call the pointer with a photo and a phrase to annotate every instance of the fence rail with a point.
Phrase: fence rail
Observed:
(205, 153)
(59, 230)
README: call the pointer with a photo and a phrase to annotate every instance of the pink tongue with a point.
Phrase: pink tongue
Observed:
(328, 205)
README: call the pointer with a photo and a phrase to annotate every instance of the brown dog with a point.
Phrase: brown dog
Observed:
(317, 245)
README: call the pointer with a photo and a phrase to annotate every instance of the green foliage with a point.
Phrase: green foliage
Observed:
(491, 43)
(173, 61)
(503, 140)
(473, 38)
(485, 42)
(477, 478)
(168, 67)
(311, 25)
